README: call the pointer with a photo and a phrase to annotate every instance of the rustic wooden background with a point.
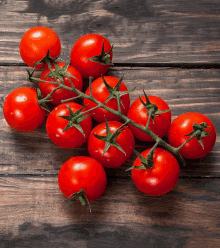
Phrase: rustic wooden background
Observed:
(169, 48)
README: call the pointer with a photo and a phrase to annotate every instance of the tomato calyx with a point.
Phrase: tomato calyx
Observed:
(152, 109)
(81, 196)
(60, 73)
(198, 132)
(110, 138)
(45, 60)
(114, 92)
(146, 163)
(103, 58)
(74, 119)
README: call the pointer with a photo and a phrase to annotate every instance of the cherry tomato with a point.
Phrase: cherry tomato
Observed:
(159, 179)
(82, 173)
(22, 111)
(85, 48)
(66, 136)
(182, 126)
(113, 157)
(139, 114)
(36, 43)
(60, 94)
(101, 93)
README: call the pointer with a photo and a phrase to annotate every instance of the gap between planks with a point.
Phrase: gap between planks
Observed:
(150, 65)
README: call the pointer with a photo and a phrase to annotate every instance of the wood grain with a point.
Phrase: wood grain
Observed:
(183, 90)
(33, 210)
(141, 31)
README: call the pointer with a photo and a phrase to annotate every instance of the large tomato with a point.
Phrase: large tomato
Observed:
(67, 130)
(179, 132)
(101, 93)
(139, 114)
(82, 173)
(36, 43)
(60, 94)
(159, 179)
(86, 48)
(112, 137)
(22, 111)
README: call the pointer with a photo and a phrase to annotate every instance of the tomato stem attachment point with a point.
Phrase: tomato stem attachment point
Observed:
(81, 196)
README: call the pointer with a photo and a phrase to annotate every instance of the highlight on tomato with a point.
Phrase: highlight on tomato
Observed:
(108, 90)
(152, 107)
(194, 134)
(111, 143)
(68, 126)
(63, 73)
(39, 44)
(91, 55)
(82, 179)
(22, 110)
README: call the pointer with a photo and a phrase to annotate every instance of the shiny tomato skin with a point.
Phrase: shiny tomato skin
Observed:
(113, 157)
(72, 137)
(60, 94)
(22, 111)
(100, 93)
(36, 42)
(138, 113)
(85, 173)
(183, 125)
(85, 47)
(159, 179)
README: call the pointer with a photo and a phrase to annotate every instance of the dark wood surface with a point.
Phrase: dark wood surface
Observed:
(167, 48)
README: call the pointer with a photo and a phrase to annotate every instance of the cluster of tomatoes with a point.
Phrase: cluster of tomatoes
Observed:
(111, 142)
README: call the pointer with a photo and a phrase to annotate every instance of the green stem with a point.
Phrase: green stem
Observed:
(146, 129)
(191, 137)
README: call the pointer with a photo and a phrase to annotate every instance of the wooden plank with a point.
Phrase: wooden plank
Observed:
(33, 210)
(153, 31)
(184, 91)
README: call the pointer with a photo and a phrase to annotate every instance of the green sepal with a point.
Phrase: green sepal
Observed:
(199, 132)
(114, 92)
(146, 163)
(74, 119)
(78, 196)
(103, 58)
(45, 59)
(110, 138)
(152, 109)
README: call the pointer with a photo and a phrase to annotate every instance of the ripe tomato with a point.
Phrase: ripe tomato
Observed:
(60, 94)
(22, 111)
(182, 126)
(101, 93)
(138, 113)
(113, 157)
(59, 124)
(36, 43)
(159, 179)
(85, 48)
(82, 173)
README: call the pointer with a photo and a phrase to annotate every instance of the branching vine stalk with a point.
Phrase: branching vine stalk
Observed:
(146, 129)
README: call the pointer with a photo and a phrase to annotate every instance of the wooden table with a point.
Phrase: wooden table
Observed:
(169, 48)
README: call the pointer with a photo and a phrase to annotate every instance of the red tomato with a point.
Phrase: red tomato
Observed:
(182, 126)
(57, 122)
(60, 94)
(113, 157)
(138, 113)
(84, 49)
(159, 179)
(36, 43)
(101, 93)
(82, 173)
(22, 111)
